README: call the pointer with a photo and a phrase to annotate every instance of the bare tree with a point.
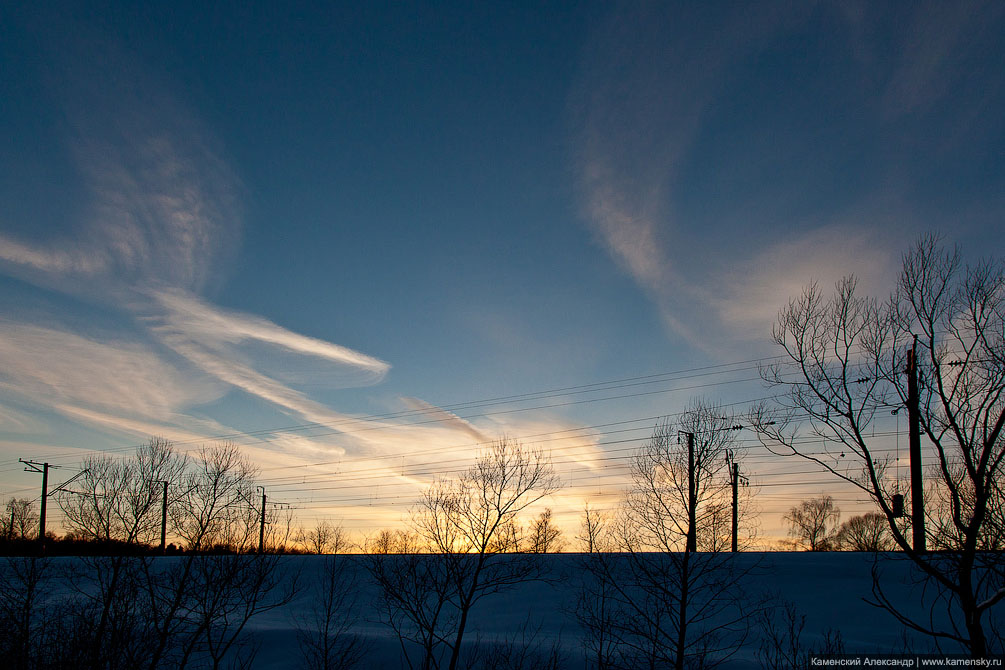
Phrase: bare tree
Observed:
(117, 500)
(465, 518)
(814, 524)
(381, 543)
(592, 526)
(127, 609)
(388, 541)
(216, 503)
(943, 532)
(545, 537)
(324, 632)
(598, 613)
(225, 593)
(324, 538)
(850, 353)
(415, 601)
(867, 532)
(466, 522)
(202, 604)
(120, 499)
(24, 586)
(20, 520)
(660, 602)
(521, 650)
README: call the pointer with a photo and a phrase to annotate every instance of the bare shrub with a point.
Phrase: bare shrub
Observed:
(592, 527)
(324, 538)
(782, 646)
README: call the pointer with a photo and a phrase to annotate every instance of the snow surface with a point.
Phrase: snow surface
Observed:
(829, 588)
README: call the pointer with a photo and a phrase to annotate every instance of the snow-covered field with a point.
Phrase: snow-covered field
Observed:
(829, 588)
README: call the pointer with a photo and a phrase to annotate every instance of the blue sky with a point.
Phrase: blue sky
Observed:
(244, 218)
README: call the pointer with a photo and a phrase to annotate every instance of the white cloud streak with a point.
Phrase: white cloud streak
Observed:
(50, 366)
(182, 429)
(187, 315)
(447, 419)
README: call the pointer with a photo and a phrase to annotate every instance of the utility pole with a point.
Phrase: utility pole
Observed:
(33, 466)
(735, 480)
(261, 531)
(692, 497)
(164, 516)
(736, 507)
(41, 511)
(914, 434)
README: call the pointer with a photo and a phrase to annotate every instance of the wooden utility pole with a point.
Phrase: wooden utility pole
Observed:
(734, 481)
(914, 434)
(736, 506)
(41, 511)
(692, 498)
(164, 516)
(33, 466)
(261, 530)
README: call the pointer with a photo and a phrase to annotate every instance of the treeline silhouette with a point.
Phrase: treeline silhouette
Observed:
(68, 545)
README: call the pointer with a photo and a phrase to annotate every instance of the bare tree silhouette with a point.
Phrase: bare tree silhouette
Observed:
(324, 538)
(814, 524)
(867, 532)
(24, 588)
(946, 322)
(20, 520)
(662, 601)
(466, 523)
(387, 541)
(592, 529)
(135, 611)
(545, 536)
(324, 631)
(782, 646)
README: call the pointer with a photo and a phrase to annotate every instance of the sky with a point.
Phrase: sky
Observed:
(362, 240)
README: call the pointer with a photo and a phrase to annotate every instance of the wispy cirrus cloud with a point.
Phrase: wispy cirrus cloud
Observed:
(431, 412)
(660, 87)
(164, 206)
(753, 291)
(162, 218)
(185, 314)
(20, 257)
(49, 366)
(934, 53)
(177, 428)
(636, 109)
